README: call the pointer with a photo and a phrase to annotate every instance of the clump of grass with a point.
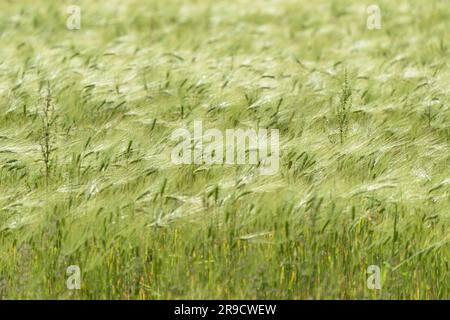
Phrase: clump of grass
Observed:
(140, 227)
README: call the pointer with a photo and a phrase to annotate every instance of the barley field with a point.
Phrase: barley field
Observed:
(86, 178)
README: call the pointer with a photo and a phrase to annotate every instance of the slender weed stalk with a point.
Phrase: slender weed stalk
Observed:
(343, 109)
(47, 133)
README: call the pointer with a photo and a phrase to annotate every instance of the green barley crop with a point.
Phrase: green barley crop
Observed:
(86, 177)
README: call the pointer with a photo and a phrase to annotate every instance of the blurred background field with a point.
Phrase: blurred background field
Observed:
(85, 172)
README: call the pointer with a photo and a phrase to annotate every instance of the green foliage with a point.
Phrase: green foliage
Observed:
(86, 177)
